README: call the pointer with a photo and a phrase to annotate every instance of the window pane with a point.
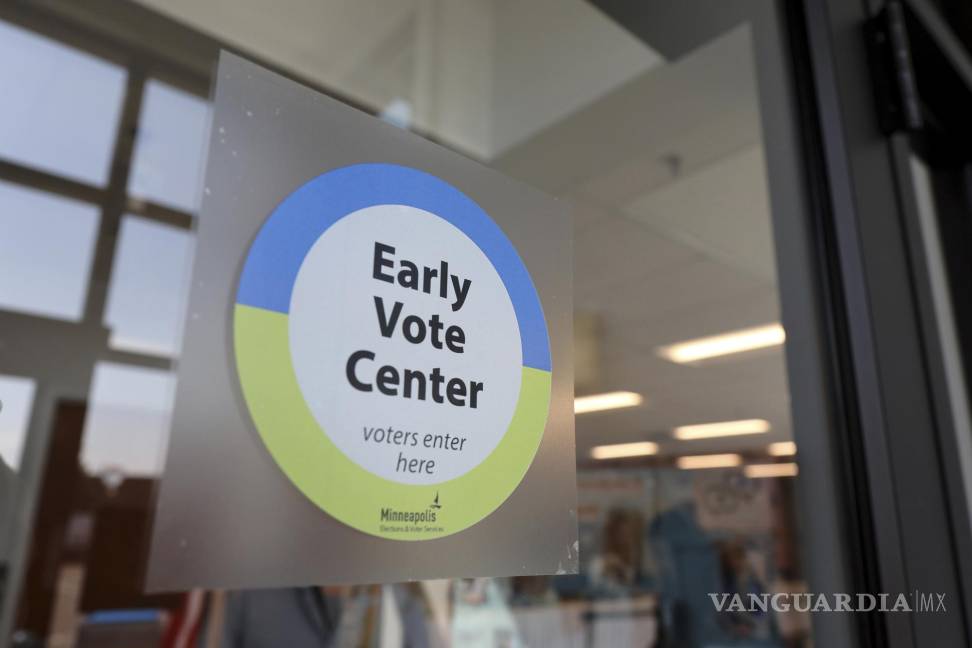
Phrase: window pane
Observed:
(127, 422)
(46, 248)
(148, 287)
(169, 149)
(16, 400)
(60, 106)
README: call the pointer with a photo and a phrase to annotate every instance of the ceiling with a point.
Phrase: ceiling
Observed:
(673, 241)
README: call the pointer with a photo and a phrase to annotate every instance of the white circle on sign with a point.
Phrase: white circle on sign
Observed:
(334, 314)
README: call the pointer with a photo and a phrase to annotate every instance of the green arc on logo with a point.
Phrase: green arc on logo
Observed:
(338, 485)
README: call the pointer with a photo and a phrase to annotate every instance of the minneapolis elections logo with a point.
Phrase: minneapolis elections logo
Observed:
(392, 351)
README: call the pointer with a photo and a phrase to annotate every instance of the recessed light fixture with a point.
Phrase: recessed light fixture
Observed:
(620, 450)
(608, 401)
(721, 429)
(781, 449)
(749, 339)
(694, 462)
(757, 471)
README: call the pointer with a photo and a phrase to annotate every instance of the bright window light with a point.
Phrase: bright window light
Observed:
(782, 449)
(721, 429)
(167, 164)
(694, 462)
(620, 450)
(127, 425)
(60, 106)
(749, 339)
(758, 471)
(16, 401)
(608, 401)
(148, 287)
(47, 247)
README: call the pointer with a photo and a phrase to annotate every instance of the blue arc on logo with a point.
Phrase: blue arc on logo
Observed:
(267, 278)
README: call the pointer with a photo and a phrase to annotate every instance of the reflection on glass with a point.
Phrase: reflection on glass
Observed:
(60, 106)
(16, 400)
(127, 422)
(148, 287)
(680, 495)
(46, 249)
(168, 158)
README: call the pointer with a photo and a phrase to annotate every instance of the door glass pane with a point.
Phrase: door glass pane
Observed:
(148, 287)
(60, 106)
(684, 441)
(46, 249)
(169, 149)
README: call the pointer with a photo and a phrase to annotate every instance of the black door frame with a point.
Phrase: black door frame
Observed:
(920, 521)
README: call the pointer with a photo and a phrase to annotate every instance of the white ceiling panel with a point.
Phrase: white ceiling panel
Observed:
(721, 210)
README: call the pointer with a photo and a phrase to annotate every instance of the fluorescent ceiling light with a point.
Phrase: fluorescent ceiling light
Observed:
(757, 471)
(782, 449)
(748, 339)
(619, 450)
(721, 429)
(608, 401)
(708, 461)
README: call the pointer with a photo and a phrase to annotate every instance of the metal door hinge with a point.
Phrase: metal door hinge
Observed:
(889, 53)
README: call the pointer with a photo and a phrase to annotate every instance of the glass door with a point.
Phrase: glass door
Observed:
(709, 452)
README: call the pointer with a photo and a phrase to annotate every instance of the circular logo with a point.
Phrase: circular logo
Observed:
(392, 351)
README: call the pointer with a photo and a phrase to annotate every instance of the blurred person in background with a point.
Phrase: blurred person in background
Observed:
(313, 617)
(618, 569)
